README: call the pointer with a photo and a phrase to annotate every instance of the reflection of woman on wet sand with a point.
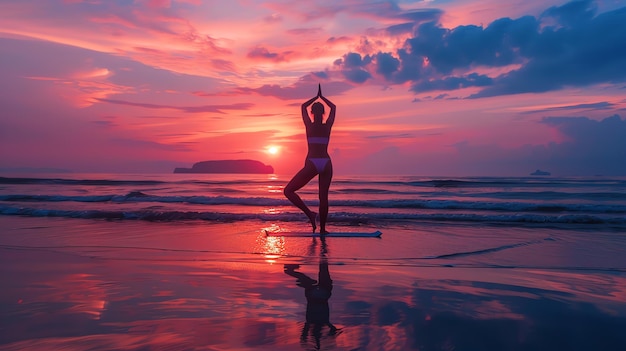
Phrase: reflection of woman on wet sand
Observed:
(317, 159)
(317, 294)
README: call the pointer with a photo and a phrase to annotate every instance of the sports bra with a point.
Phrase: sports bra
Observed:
(317, 140)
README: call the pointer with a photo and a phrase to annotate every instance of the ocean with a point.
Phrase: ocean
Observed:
(181, 262)
(583, 203)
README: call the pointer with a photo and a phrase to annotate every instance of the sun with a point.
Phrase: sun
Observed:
(272, 150)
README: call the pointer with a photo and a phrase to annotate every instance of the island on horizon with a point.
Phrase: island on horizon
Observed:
(228, 166)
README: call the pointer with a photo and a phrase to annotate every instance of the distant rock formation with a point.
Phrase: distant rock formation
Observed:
(540, 173)
(228, 166)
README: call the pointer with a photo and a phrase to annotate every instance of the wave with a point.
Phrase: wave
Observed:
(401, 181)
(336, 217)
(489, 250)
(548, 195)
(61, 181)
(469, 182)
(137, 196)
(426, 204)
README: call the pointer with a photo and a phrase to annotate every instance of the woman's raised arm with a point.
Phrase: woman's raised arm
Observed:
(305, 114)
(331, 115)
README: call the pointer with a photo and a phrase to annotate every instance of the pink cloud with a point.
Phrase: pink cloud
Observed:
(339, 40)
(301, 89)
(114, 20)
(263, 53)
(305, 31)
(223, 65)
(158, 3)
(273, 18)
(82, 87)
(188, 109)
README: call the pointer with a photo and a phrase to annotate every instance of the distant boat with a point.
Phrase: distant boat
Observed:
(540, 173)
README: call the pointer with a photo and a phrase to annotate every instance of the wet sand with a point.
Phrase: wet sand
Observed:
(102, 285)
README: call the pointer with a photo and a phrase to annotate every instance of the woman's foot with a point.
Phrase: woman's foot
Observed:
(312, 217)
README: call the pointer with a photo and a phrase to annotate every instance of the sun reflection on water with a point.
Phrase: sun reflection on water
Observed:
(274, 189)
(272, 210)
(273, 246)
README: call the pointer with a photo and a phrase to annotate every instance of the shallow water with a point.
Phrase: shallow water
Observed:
(77, 284)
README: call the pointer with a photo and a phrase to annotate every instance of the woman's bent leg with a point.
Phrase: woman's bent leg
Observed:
(297, 182)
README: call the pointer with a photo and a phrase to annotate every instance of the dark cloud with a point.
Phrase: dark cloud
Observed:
(468, 46)
(351, 67)
(604, 105)
(423, 15)
(389, 10)
(353, 60)
(410, 69)
(356, 75)
(452, 83)
(386, 64)
(572, 13)
(402, 28)
(566, 46)
(415, 18)
(586, 52)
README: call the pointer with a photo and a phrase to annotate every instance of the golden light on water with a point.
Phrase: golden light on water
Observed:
(272, 210)
(273, 246)
(273, 189)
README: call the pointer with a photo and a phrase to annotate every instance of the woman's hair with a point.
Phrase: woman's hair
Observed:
(317, 108)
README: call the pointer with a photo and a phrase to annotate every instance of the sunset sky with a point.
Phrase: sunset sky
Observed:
(431, 87)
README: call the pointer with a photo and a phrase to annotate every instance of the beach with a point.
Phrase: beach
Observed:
(102, 262)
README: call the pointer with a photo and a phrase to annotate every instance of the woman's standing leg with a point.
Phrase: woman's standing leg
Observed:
(324, 185)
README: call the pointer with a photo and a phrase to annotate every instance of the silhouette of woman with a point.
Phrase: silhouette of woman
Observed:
(317, 160)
